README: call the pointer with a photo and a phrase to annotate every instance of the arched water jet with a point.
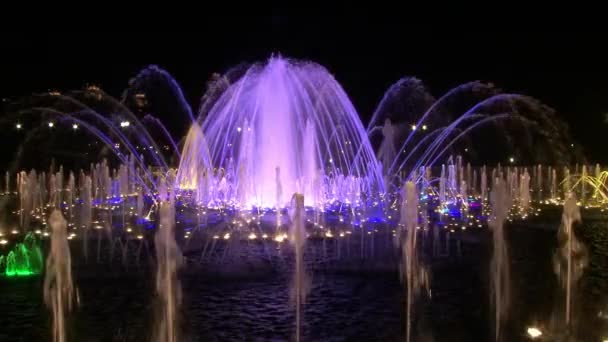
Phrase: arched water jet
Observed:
(282, 105)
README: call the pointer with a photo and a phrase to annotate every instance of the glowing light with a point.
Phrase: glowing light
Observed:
(51, 124)
(413, 127)
(125, 124)
(15, 231)
(216, 237)
(74, 126)
(534, 332)
(252, 236)
(424, 127)
(18, 126)
(3, 242)
(264, 236)
(328, 234)
(342, 234)
(38, 231)
(140, 237)
(45, 234)
(239, 129)
(226, 236)
(280, 237)
(511, 160)
(129, 230)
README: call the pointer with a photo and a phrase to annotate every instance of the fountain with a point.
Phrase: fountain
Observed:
(301, 280)
(287, 127)
(499, 270)
(25, 259)
(283, 115)
(414, 275)
(571, 258)
(58, 284)
(169, 260)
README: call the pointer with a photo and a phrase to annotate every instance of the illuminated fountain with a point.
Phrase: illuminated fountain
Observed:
(287, 127)
(25, 259)
(499, 270)
(572, 257)
(413, 273)
(58, 284)
(283, 122)
(169, 260)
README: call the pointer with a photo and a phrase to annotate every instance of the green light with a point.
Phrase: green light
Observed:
(24, 260)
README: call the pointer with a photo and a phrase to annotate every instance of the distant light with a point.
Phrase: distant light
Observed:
(280, 238)
(571, 145)
(424, 127)
(216, 237)
(125, 124)
(45, 234)
(18, 126)
(51, 124)
(252, 236)
(15, 231)
(264, 236)
(3, 242)
(466, 150)
(413, 127)
(328, 234)
(226, 236)
(239, 129)
(38, 231)
(511, 160)
(331, 160)
(75, 126)
(140, 237)
(534, 332)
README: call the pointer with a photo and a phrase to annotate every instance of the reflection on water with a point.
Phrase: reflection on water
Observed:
(339, 308)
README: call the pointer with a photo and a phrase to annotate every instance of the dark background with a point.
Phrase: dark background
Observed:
(566, 70)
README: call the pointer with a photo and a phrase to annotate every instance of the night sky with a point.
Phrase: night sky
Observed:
(566, 70)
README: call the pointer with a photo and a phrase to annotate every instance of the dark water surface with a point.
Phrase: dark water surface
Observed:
(353, 307)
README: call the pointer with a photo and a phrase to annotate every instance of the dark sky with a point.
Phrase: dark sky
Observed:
(566, 70)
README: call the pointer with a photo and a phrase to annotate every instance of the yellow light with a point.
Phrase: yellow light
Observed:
(280, 237)
(140, 237)
(424, 127)
(38, 231)
(15, 231)
(74, 126)
(511, 160)
(129, 230)
(264, 236)
(226, 236)
(328, 234)
(252, 236)
(534, 332)
(45, 234)
(18, 126)
(3, 242)
(51, 124)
